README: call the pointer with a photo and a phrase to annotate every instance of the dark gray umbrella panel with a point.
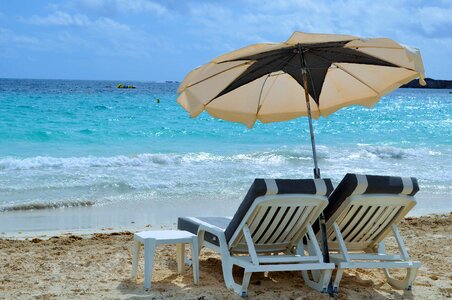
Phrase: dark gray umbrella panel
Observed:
(315, 58)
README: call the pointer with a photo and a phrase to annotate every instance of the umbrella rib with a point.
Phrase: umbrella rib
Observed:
(339, 67)
(313, 90)
(207, 78)
(220, 94)
(267, 54)
(359, 55)
(271, 61)
(283, 63)
(397, 65)
(316, 97)
(260, 95)
(351, 74)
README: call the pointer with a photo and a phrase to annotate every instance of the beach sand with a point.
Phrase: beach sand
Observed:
(98, 266)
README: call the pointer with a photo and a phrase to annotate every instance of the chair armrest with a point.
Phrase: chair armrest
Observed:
(218, 232)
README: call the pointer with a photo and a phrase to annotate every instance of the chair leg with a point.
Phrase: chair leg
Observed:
(337, 279)
(227, 273)
(180, 253)
(407, 282)
(195, 259)
(320, 278)
(243, 292)
(320, 284)
(200, 241)
(149, 250)
(402, 284)
(311, 250)
(135, 252)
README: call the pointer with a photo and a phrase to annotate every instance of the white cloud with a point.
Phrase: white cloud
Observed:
(59, 18)
(263, 19)
(107, 23)
(141, 6)
(10, 41)
(433, 19)
(8, 37)
(113, 7)
(101, 36)
(133, 28)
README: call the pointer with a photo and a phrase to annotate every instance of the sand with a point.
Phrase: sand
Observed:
(98, 266)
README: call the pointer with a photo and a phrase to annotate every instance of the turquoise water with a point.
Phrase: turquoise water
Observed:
(86, 143)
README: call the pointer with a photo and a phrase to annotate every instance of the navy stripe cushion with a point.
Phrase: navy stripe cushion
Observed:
(257, 189)
(192, 225)
(285, 186)
(354, 184)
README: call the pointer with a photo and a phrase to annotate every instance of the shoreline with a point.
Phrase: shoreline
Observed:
(89, 233)
(98, 266)
(142, 215)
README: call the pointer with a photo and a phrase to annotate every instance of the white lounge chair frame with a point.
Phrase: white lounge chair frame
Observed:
(360, 225)
(284, 251)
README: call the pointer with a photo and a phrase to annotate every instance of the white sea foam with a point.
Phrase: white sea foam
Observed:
(43, 162)
(45, 205)
(52, 182)
(397, 153)
(277, 157)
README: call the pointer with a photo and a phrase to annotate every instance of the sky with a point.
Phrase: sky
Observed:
(152, 40)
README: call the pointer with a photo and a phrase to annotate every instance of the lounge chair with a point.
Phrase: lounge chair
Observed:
(362, 211)
(267, 231)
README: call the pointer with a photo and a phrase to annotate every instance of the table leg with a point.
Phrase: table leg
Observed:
(135, 252)
(180, 251)
(149, 249)
(195, 259)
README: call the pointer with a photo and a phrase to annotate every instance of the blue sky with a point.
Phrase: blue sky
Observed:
(163, 40)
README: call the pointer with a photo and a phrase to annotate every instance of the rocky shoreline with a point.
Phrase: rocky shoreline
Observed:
(431, 84)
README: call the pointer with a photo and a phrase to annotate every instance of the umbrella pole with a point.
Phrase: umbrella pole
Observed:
(311, 129)
(322, 222)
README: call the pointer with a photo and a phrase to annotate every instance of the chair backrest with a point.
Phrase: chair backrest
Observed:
(365, 207)
(277, 212)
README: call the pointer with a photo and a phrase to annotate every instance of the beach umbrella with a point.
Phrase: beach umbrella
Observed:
(308, 75)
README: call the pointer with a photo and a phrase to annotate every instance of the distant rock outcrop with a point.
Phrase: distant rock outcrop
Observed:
(431, 84)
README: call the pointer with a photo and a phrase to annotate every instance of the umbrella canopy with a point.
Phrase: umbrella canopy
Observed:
(265, 81)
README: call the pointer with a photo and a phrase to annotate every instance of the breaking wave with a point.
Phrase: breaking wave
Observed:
(276, 157)
(45, 205)
(385, 152)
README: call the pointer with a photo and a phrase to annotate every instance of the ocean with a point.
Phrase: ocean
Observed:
(66, 144)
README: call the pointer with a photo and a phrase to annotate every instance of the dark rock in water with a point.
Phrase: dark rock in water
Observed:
(431, 84)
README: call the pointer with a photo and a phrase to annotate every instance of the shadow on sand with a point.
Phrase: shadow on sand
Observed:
(286, 285)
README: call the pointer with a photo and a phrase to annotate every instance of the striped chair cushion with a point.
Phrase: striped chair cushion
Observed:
(354, 184)
(260, 187)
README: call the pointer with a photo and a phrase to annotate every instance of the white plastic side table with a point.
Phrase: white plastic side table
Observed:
(150, 239)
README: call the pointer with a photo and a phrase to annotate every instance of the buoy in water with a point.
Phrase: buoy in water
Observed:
(122, 86)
